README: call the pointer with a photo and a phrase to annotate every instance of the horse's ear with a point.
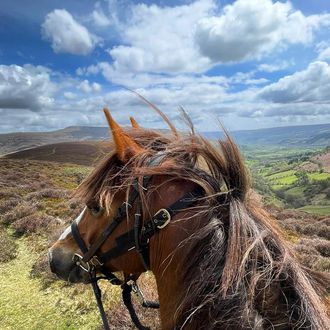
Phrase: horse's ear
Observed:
(134, 123)
(126, 147)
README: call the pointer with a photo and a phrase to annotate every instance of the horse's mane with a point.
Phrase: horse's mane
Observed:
(240, 272)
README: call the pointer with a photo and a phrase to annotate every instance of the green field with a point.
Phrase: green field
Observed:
(317, 209)
(319, 176)
(280, 177)
(296, 191)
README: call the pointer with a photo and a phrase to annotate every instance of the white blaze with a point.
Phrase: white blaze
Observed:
(67, 231)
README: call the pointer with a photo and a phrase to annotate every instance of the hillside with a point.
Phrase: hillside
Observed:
(286, 176)
(292, 178)
(299, 136)
(12, 142)
(81, 153)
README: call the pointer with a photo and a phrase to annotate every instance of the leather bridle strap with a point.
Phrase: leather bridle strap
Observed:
(127, 242)
(91, 251)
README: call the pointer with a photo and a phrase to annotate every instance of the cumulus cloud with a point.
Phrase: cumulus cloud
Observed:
(25, 87)
(70, 95)
(160, 39)
(310, 85)
(249, 29)
(66, 34)
(99, 18)
(87, 87)
(323, 48)
(277, 66)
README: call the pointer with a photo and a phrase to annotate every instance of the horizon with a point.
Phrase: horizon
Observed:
(166, 128)
(252, 64)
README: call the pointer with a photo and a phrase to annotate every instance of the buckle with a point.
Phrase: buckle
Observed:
(162, 218)
(77, 258)
(136, 290)
(95, 261)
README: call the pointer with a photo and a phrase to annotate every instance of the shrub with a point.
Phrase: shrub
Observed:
(33, 223)
(20, 211)
(315, 262)
(7, 204)
(75, 204)
(8, 247)
(323, 247)
(41, 270)
(47, 193)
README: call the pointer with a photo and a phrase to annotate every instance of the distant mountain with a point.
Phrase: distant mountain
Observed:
(12, 142)
(310, 135)
(81, 152)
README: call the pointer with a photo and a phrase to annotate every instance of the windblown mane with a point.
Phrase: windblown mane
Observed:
(240, 272)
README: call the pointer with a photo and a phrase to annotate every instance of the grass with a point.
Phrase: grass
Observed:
(279, 179)
(296, 191)
(280, 175)
(23, 305)
(316, 209)
(319, 176)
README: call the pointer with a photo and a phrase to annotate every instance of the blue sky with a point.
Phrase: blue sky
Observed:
(248, 63)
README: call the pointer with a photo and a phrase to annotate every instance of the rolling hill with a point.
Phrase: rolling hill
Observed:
(81, 152)
(13, 142)
(299, 136)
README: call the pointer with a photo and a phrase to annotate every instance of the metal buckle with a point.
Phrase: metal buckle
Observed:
(166, 215)
(136, 290)
(95, 261)
(77, 258)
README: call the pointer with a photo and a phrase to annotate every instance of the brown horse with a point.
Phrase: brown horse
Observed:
(222, 262)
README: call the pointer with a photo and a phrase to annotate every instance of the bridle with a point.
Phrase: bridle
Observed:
(137, 238)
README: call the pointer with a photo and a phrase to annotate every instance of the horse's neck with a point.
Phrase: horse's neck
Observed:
(169, 286)
(166, 262)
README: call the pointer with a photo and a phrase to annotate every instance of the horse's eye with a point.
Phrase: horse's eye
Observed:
(96, 210)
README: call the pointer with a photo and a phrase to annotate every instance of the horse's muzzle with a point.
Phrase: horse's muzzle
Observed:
(64, 266)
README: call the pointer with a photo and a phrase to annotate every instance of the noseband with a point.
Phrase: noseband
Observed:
(137, 238)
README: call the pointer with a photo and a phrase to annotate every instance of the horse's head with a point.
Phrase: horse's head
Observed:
(178, 205)
(126, 207)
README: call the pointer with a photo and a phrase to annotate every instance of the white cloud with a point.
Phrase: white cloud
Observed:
(324, 54)
(323, 48)
(277, 66)
(27, 87)
(66, 34)
(310, 85)
(87, 87)
(99, 18)
(160, 39)
(70, 95)
(151, 80)
(249, 29)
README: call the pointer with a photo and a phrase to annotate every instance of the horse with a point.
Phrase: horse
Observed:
(219, 259)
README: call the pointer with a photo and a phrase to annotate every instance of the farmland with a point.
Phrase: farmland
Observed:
(292, 177)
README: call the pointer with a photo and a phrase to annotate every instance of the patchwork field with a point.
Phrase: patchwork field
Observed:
(292, 178)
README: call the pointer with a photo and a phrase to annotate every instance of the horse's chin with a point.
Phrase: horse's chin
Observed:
(78, 275)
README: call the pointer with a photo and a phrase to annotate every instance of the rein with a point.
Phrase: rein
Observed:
(137, 238)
